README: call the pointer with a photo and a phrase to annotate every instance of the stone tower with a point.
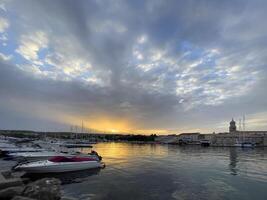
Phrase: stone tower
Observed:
(232, 127)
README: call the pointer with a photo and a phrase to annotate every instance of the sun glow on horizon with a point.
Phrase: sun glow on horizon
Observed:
(111, 125)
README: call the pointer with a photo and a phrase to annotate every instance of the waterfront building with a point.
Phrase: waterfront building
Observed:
(167, 139)
(236, 137)
(207, 137)
(191, 138)
(232, 138)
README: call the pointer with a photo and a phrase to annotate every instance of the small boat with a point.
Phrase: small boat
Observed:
(33, 156)
(76, 145)
(6, 151)
(59, 164)
(244, 145)
(238, 145)
(205, 143)
(45, 155)
(7, 145)
(247, 145)
(22, 149)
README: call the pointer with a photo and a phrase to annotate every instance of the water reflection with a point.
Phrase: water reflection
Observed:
(135, 171)
(233, 161)
(66, 177)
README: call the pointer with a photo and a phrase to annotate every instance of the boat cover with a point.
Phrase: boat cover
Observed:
(72, 159)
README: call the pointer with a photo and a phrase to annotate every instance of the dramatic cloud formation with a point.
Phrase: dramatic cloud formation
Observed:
(133, 66)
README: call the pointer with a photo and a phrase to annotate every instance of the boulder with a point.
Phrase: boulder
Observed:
(10, 192)
(7, 180)
(43, 189)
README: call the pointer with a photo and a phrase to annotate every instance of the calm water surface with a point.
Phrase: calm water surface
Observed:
(171, 172)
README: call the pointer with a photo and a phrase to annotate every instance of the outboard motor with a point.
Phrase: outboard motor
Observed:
(95, 153)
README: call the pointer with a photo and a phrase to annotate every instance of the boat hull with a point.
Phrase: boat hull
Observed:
(77, 145)
(52, 167)
(248, 145)
(31, 157)
(7, 145)
(20, 150)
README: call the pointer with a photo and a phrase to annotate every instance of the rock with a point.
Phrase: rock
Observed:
(10, 192)
(6, 173)
(18, 174)
(7, 180)
(22, 198)
(43, 189)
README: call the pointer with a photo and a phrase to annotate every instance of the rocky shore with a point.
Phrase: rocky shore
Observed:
(43, 189)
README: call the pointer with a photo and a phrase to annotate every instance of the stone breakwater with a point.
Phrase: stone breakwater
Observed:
(43, 189)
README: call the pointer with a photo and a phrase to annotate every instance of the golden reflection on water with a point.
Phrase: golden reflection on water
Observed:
(176, 172)
(125, 156)
(126, 150)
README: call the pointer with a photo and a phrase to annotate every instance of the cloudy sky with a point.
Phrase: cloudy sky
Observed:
(133, 66)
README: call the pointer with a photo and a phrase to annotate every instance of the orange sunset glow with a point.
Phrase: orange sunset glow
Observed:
(109, 125)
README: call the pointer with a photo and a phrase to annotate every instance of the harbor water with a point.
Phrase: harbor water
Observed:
(152, 171)
(147, 171)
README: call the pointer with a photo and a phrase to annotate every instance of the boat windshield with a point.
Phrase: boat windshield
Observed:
(72, 159)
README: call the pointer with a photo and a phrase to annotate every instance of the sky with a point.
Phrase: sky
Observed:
(144, 66)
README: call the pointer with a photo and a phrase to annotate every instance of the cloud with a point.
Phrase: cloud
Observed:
(2, 6)
(5, 57)
(4, 24)
(31, 44)
(151, 64)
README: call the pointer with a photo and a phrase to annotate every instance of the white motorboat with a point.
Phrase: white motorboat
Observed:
(45, 155)
(238, 145)
(20, 150)
(7, 145)
(76, 145)
(33, 156)
(59, 164)
(248, 145)
(244, 144)
(3, 141)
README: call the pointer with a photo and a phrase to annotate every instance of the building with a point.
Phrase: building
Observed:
(236, 138)
(207, 137)
(190, 138)
(167, 139)
(232, 127)
(232, 138)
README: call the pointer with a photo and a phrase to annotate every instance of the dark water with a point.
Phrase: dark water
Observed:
(171, 172)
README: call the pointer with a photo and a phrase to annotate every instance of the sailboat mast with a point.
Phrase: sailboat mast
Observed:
(244, 123)
(82, 126)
